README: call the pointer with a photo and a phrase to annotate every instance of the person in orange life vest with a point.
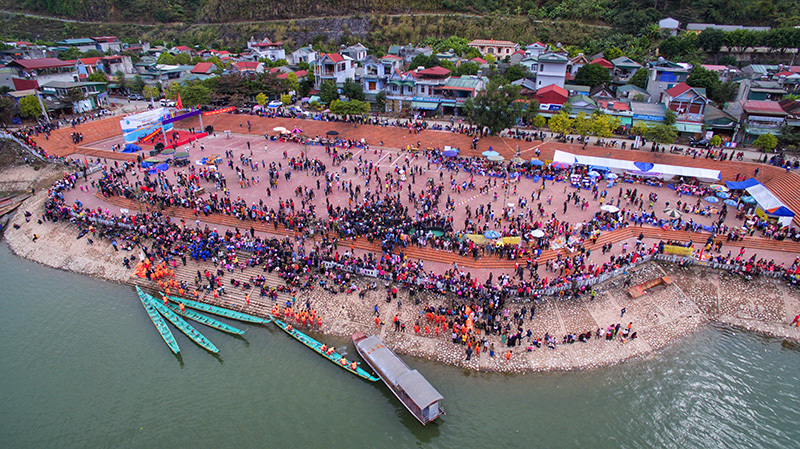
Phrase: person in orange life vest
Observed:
(182, 307)
(331, 350)
(353, 366)
(247, 299)
(323, 348)
(377, 321)
(166, 300)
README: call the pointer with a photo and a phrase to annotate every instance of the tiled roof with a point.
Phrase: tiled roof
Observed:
(42, 63)
(764, 107)
(435, 71)
(678, 89)
(202, 67)
(492, 42)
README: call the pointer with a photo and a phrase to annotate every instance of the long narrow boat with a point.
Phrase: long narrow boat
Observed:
(183, 326)
(221, 311)
(316, 346)
(414, 392)
(208, 321)
(161, 326)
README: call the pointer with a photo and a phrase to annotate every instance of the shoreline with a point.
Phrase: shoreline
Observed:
(661, 317)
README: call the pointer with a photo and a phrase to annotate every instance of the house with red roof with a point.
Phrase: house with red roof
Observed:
(44, 70)
(203, 68)
(266, 49)
(689, 103)
(761, 117)
(247, 67)
(603, 62)
(181, 49)
(333, 67)
(552, 94)
(535, 49)
(106, 43)
(496, 48)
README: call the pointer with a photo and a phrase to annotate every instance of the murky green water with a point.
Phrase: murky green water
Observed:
(82, 366)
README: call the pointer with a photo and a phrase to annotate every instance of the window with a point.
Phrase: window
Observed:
(371, 85)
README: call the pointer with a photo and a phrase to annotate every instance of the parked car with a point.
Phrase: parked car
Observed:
(274, 104)
(167, 103)
(702, 143)
(135, 97)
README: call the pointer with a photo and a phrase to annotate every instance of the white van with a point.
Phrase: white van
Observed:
(167, 103)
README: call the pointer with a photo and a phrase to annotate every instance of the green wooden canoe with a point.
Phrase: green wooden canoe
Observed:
(317, 347)
(221, 311)
(162, 327)
(208, 321)
(183, 326)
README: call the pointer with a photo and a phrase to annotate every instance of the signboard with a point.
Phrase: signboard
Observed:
(181, 117)
(219, 111)
(652, 118)
(678, 250)
(144, 123)
(709, 134)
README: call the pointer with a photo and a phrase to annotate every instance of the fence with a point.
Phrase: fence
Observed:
(710, 264)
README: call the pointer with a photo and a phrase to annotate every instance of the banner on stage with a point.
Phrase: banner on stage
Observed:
(219, 111)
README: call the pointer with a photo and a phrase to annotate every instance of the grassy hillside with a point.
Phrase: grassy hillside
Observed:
(620, 13)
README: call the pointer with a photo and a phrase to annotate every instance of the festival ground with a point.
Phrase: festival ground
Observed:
(696, 297)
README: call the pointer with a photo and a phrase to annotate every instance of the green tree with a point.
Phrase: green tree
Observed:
(490, 59)
(8, 109)
(639, 79)
(380, 101)
(639, 129)
(70, 54)
(560, 123)
(466, 68)
(670, 117)
(261, 99)
(166, 58)
(582, 124)
(194, 94)
(711, 40)
(328, 92)
(172, 90)
(515, 72)
(138, 84)
(495, 108)
(604, 125)
(539, 122)
(592, 75)
(766, 142)
(293, 82)
(98, 77)
(662, 133)
(353, 90)
(122, 83)
(286, 99)
(150, 91)
(612, 53)
(29, 106)
(715, 141)
(352, 107)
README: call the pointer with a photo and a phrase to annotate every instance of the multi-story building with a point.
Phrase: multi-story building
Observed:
(664, 75)
(498, 49)
(44, 70)
(375, 73)
(333, 67)
(266, 49)
(549, 68)
(689, 103)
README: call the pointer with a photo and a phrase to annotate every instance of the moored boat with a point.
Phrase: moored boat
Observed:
(321, 349)
(208, 321)
(414, 392)
(183, 326)
(221, 311)
(158, 321)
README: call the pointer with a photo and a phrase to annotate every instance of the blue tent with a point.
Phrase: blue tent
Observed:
(159, 168)
(536, 162)
(490, 153)
(741, 185)
(450, 153)
(782, 211)
(131, 148)
(644, 166)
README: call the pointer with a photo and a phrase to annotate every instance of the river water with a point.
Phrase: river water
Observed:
(82, 366)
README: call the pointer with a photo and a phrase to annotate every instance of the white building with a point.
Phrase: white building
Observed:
(266, 49)
(549, 68)
(334, 67)
(303, 54)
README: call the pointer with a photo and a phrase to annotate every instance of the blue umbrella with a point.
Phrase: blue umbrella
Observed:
(536, 162)
(711, 199)
(490, 153)
(491, 234)
(730, 202)
(450, 153)
(723, 195)
(612, 176)
(644, 166)
(594, 174)
(749, 200)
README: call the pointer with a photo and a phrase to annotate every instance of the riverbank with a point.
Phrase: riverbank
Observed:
(697, 297)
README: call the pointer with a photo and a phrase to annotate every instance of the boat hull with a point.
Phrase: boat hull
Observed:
(158, 321)
(183, 326)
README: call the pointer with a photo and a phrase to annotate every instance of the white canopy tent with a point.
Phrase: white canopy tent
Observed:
(770, 204)
(620, 166)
